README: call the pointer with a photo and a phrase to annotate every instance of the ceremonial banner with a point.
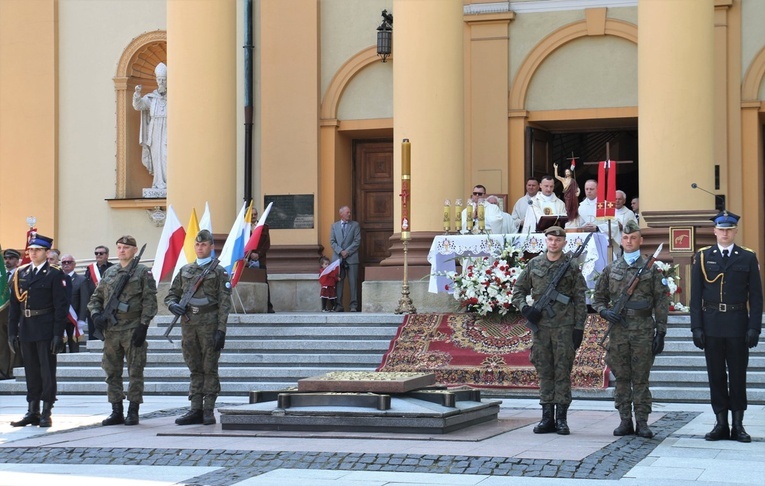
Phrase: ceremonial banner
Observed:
(606, 208)
(467, 349)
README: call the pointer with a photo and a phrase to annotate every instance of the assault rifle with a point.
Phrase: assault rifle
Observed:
(114, 303)
(550, 294)
(626, 295)
(189, 293)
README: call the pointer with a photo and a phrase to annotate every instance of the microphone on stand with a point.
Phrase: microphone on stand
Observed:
(719, 198)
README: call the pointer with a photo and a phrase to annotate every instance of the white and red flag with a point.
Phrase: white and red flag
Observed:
(252, 244)
(169, 247)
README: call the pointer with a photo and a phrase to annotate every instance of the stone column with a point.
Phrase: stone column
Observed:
(201, 65)
(428, 106)
(676, 104)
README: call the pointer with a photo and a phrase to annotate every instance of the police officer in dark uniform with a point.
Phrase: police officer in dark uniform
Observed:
(726, 320)
(38, 314)
(203, 328)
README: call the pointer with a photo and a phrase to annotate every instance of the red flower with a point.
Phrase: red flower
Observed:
(679, 290)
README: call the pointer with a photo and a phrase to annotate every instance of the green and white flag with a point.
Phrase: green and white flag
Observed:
(4, 295)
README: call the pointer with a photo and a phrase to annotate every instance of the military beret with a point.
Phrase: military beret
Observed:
(555, 231)
(631, 227)
(11, 253)
(127, 240)
(40, 241)
(204, 235)
(726, 220)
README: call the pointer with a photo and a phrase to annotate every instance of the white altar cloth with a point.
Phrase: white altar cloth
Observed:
(446, 249)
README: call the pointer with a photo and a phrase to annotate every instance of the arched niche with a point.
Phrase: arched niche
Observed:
(136, 66)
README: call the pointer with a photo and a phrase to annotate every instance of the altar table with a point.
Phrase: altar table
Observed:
(446, 249)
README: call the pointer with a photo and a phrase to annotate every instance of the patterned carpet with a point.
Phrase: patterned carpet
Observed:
(465, 349)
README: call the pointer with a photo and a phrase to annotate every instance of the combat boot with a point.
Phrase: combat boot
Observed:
(737, 431)
(547, 424)
(625, 427)
(132, 414)
(31, 418)
(561, 419)
(193, 416)
(116, 416)
(208, 417)
(45, 420)
(720, 430)
(642, 429)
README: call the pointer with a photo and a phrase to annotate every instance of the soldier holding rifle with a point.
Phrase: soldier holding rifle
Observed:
(560, 327)
(630, 295)
(201, 296)
(122, 306)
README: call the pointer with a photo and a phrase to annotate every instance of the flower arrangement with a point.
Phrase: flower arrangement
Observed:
(671, 280)
(485, 285)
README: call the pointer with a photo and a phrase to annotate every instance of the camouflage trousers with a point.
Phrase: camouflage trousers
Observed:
(630, 358)
(552, 354)
(118, 347)
(202, 360)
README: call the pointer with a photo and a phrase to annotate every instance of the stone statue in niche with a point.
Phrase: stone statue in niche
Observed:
(153, 133)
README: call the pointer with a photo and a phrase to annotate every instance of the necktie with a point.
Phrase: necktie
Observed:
(725, 254)
(34, 272)
(344, 224)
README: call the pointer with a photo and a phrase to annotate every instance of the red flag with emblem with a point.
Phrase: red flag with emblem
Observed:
(606, 206)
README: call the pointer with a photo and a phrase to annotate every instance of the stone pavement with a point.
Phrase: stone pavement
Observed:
(77, 450)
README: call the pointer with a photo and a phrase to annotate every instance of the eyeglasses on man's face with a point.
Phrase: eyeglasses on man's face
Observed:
(67, 262)
(479, 193)
(100, 253)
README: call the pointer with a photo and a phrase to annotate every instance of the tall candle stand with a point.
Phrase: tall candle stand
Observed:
(405, 303)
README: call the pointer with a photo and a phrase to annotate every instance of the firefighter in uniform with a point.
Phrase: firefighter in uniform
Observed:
(726, 320)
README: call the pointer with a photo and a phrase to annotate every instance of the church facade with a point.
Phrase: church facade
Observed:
(486, 92)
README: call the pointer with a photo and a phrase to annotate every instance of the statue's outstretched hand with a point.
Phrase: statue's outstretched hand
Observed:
(138, 89)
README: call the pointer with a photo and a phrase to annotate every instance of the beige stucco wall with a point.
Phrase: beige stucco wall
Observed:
(590, 72)
(752, 33)
(92, 37)
(369, 94)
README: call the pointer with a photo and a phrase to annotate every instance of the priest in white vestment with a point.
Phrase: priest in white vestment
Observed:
(498, 222)
(545, 203)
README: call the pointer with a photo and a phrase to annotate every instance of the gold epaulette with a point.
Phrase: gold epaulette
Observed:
(747, 249)
(704, 248)
(57, 267)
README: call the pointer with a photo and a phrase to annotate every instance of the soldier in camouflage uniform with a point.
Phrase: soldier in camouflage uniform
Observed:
(637, 335)
(126, 339)
(554, 345)
(204, 331)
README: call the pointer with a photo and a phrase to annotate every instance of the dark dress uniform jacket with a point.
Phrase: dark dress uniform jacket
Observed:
(46, 290)
(736, 281)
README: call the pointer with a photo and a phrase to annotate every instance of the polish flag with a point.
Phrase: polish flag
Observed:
(169, 247)
(72, 316)
(251, 245)
(187, 254)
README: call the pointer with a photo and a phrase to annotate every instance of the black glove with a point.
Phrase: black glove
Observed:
(100, 321)
(532, 314)
(611, 316)
(57, 345)
(698, 337)
(139, 335)
(752, 337)
(219, 340)
(658, 343)
(578, 336)
(13, 343)
(177, 309)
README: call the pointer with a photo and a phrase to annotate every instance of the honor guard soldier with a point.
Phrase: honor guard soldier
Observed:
(37, 316)
(560, 330)
(637, 333)
(130, 290)
(726, 320)
(200, 296)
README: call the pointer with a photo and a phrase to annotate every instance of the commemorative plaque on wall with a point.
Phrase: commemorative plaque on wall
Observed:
(290, 211)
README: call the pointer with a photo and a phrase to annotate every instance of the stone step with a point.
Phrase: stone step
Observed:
(698, 376)
(687, 362)
(273, 346)
(235, 359)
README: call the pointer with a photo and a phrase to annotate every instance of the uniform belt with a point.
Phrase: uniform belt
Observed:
(37, 312)
(638, 312)
(128, 315)
(722, 306)
(202, 309)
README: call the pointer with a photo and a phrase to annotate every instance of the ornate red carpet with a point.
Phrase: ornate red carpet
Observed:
(464, 349)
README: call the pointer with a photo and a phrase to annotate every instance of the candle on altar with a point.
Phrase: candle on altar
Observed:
(469, 219)
(406, 223)
(481, 221)
(447, 215)
(458, 215)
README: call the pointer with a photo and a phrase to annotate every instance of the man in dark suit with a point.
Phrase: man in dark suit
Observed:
(93, 275)
(68, 264)
(8, 358)
(345, 239)
(726, 320)
(38, 313)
